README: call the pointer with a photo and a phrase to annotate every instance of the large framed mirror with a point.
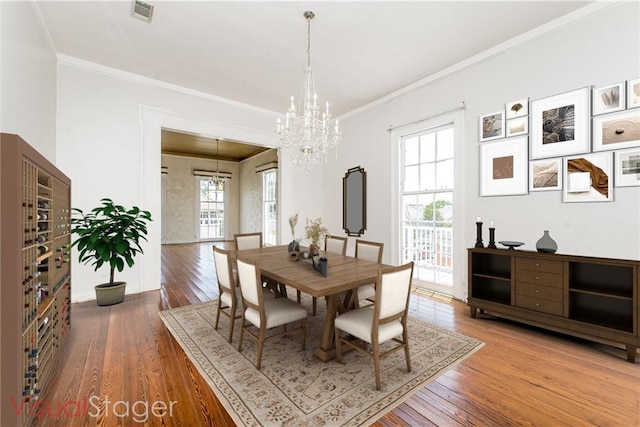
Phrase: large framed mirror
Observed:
(354, 201)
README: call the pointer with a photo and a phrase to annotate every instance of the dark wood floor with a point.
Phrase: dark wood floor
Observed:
(522, 376)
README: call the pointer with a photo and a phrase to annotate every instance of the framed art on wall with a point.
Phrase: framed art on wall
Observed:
(517, 108)
(518, 126)
(628, 168)
(503, 167)
(545, 175)
(608, 99)
(633, 93)
(617, 130)
(492, 126)
(588, 178)
(560, 124)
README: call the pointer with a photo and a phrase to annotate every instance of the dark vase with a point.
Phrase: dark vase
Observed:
(546, 244)
(293, 246)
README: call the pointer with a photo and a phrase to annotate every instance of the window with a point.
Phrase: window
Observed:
(211, 208)
(427, 204)
(269, 211)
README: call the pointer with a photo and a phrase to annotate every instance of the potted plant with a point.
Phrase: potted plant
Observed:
(109, 234)
(315, 232)
(294, 245)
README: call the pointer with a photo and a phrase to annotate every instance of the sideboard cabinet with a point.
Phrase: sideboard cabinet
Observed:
(587, 297)
(35, 277)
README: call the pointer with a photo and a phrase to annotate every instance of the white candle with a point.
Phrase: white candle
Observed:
(491, 224)
(479, 219)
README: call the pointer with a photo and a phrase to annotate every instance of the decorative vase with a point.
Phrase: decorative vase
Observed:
(314, 249)
(293, 246)
(546, 244)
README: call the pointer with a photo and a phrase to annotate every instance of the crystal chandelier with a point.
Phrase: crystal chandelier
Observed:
(308, 133)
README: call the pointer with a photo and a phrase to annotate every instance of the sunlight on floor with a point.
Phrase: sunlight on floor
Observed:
(431, 294)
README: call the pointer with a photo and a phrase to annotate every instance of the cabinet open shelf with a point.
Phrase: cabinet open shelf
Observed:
(601, 294)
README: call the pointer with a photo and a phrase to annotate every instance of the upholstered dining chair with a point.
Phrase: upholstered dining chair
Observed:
(385, 320)
(254, 241)
(265, 314)
(334, 245)
(248, 241)
(230, 298)
(369, 251)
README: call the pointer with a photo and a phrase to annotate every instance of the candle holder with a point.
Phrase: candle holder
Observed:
(492, 238)
(479, 235)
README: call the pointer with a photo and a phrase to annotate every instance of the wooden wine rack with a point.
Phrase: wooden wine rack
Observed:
(35, 274)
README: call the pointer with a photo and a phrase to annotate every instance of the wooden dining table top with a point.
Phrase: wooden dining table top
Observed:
(344, 272)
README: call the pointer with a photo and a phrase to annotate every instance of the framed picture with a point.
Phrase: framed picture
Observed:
(588, 178)
(617, 130)
(633, 93)
(560, 124)
(492, 126)
(545, 175)
(517, 108)
(608, 99)
(503, 167)
(628, 168)
(518, 126)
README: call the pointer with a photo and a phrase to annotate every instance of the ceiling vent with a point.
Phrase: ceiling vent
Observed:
(141, 10)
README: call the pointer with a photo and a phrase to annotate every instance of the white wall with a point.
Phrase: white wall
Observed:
(251, 191)
(598, 50)
(109, 127)
(28, 87)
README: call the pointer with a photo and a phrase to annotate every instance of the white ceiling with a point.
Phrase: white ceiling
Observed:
(255, 52)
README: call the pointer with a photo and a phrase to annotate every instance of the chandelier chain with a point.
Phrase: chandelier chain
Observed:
(309, 18)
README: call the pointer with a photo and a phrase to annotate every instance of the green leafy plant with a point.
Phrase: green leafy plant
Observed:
(109, 234)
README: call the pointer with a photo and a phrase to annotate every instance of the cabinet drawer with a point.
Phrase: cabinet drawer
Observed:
(536, 277)
(543, 265)
(540, 305)
(535, 291)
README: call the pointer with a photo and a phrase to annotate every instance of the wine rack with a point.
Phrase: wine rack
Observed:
(35, 275)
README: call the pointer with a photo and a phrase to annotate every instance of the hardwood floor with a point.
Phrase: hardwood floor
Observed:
(522, 376)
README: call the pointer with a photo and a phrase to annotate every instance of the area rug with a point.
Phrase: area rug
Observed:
(295, 388)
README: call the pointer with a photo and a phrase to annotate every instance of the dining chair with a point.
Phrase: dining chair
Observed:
(334, 245)
(247, 241)
(230, 296)
(265, 314)
(254, 241)
(385, 320)
(369, 251)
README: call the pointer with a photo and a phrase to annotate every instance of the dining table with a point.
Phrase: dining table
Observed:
(344, 275)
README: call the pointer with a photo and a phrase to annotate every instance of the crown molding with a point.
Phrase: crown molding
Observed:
(528, 37)
(136, 78)
(43, 27)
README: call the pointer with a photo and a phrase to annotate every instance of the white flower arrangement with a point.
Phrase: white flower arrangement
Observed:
(315, 231)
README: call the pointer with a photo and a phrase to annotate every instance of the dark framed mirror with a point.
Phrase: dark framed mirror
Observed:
(354, 201)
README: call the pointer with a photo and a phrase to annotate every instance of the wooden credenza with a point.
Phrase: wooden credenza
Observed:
(35, 275)
(587, 297)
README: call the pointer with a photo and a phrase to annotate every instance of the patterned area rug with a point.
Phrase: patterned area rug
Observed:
(294, 387)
